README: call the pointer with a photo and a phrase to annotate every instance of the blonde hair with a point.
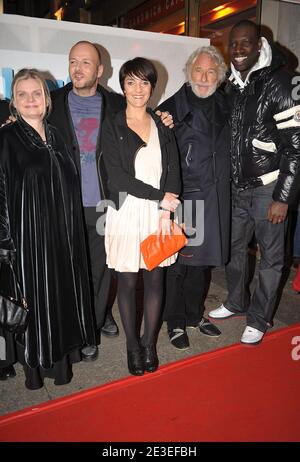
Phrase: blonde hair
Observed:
(25, 74)
(215, 54)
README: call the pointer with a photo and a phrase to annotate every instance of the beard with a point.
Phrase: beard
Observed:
(210, 89)
(84, 83)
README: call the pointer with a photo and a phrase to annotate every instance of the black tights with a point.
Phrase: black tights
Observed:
(153, 293)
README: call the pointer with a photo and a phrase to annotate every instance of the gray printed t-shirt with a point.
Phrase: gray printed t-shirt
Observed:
(85, 113)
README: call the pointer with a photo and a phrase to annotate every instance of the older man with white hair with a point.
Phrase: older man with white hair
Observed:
(200, 116)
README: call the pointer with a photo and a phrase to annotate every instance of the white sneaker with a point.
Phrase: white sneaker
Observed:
(221, 313)
(252, 336)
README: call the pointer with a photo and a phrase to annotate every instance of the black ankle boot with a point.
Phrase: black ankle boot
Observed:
(150, 358)
(7, 372)
(135, 362)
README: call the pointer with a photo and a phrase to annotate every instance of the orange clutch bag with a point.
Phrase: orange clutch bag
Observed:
(155, 250)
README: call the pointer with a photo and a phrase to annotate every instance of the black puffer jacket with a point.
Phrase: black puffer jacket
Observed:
(265, 136)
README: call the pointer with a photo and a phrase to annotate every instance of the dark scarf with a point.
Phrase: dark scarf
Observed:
(204, 104)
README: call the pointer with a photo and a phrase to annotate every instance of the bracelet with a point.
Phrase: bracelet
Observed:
(165, 210)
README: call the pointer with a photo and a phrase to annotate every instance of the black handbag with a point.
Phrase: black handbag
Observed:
(14, 310)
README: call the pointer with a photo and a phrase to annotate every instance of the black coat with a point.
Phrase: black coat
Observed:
(60, 117)
(41, 218)
(266, 130)
(4, 111)
(120, 146)
(205, 166)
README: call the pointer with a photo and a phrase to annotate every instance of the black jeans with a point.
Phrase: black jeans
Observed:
(186, 291)
(100, 273)
(249, 216)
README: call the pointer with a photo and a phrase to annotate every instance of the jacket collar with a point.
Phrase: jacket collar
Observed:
(32, 136)
(183, 108)
(164, 133)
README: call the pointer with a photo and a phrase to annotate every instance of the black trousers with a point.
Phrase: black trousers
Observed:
(249, 214)
(99, 272)
(186, 291)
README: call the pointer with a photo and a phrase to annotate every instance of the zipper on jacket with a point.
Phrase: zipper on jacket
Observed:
(73, 131)
(98, 157)
(187, 155)
(102, 191)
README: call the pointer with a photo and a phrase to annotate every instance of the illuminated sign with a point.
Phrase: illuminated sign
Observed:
(150, 12)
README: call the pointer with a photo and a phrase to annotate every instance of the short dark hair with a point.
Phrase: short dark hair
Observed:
(247, 23)
(138, 67)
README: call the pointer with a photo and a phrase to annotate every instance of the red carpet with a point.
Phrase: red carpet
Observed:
(237, 393)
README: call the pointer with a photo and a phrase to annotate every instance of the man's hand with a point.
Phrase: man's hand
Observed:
(9, 120)
(277, 212)
(166, 118)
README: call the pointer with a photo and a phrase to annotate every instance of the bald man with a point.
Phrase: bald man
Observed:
(79, 109)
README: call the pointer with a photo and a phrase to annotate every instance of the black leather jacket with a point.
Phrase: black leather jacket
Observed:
(265, 133)
(120, 147)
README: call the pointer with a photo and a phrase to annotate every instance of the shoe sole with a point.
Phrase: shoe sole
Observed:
(181, 349)
(251, 343)
(106, 334)
(151, 370)
(211, 335)
(87, 359)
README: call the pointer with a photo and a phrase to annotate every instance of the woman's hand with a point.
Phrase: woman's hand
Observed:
(165, 225)
(170, 202)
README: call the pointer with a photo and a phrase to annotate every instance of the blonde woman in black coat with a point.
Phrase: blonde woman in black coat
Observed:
(41, 228)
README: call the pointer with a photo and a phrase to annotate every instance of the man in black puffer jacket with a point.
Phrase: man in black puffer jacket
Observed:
(265, 158)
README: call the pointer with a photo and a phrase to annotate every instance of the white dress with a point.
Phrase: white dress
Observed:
(127, 227)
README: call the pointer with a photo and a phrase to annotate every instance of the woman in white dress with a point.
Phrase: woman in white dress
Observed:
(143, 182)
